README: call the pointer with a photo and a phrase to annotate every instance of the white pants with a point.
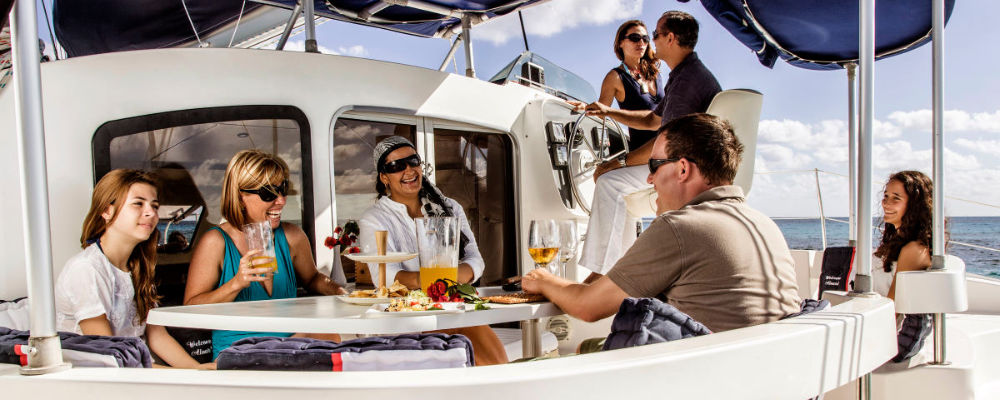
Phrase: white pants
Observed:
(611, 230)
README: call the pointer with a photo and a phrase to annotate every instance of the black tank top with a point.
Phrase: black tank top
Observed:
(635, 99)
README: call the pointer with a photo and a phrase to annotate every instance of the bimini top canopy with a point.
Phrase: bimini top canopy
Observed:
(102, 26)
(822, 34)
(427, 18)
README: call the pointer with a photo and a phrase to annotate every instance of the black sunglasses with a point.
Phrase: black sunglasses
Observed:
(268, 193)
(655, 163)
(635, 38)
(392, 167)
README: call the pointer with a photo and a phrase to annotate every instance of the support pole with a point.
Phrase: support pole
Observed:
(451, 53)
(822, 213)
(470, 70)
(937, 240)
(866, 58)
(289, 26)
(852, 156)
(309, 12)
(44, 348)
(524, 34)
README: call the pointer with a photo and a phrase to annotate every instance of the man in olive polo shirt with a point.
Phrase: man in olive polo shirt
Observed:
(707, 253)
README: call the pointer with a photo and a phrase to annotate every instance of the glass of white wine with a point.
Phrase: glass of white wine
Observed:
(567, 244)
(543, 241)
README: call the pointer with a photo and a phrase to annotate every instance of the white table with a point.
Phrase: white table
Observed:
(327, 314)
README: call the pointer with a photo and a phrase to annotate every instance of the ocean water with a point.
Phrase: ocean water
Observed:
(981, 231)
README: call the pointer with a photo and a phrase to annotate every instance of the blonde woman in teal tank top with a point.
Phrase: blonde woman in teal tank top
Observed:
(253, 190)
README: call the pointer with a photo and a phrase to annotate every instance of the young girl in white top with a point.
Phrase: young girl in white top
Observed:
(108, 289)
(906, 237)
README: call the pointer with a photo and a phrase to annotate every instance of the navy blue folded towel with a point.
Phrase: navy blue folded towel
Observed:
(910, 337)
(809, 306)
(129, 352)
(647, 321)
(305, 354)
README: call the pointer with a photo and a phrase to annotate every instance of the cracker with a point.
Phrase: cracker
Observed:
(516, 298)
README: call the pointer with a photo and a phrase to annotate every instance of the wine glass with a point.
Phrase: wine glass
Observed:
(567, 243)
(543, 241)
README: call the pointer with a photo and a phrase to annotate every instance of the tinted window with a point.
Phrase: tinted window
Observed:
(189, 151)
(474, 168)
(353, 168)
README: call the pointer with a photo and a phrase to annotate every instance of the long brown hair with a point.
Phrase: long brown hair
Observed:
(915, 226)
(112, 190)
(248, 169)
(649, 66)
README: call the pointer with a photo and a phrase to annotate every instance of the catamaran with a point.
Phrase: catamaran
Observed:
(510, 150)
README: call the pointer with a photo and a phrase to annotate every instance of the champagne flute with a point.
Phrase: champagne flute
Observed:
(567, 243)
(543, 241)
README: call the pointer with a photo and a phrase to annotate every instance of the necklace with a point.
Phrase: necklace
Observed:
(636, 74)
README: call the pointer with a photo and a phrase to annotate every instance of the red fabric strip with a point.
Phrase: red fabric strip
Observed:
(19, 350)
(338, 363)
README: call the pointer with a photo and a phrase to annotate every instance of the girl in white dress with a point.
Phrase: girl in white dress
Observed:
(906, 237)
(108, 289)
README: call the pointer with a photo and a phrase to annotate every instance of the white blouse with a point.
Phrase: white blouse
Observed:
(881, 280)
(89, 286)
(388, 215)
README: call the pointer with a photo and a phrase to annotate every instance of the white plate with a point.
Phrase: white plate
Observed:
(362, 301)
(376, 311)
(391, 257)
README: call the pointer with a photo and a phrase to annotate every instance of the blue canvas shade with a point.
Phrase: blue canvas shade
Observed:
(102, 26)
(410, 20)
(822, 34)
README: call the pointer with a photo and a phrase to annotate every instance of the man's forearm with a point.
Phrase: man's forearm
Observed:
(573, 299)
(637, 119)
(640, 155)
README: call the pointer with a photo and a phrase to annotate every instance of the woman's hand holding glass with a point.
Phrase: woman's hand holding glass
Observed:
(543, 241)
(252, 269)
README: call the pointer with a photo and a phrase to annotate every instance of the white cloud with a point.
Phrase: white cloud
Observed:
(553, 17)
(353, 51)
(780, 157)
(899, 155)
(803, 136)
(954, 121)
(991, 147)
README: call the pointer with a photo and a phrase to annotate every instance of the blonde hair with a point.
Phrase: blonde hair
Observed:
(113, 189)
(248, 169)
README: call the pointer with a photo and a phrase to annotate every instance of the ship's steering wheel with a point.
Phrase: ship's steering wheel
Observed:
(586, 154)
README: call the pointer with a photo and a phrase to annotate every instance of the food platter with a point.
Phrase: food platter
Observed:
(390, 257)
(377, 311)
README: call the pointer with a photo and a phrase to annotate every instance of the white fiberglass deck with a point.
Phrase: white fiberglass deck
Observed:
(327, 314)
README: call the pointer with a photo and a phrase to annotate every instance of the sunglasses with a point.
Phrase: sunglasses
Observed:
(655, 163)
(392, 167)
(635, 38)
(268, 193)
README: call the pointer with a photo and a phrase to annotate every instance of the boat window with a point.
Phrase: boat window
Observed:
(532, 70)
(475, 169)
(189, 151)
(353, 168)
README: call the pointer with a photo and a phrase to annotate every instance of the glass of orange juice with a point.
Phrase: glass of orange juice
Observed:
(437, 245)
(260, 237)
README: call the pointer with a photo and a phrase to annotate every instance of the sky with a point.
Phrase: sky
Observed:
(803, 122)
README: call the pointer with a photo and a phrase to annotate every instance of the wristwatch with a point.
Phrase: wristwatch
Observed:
(621, 161)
